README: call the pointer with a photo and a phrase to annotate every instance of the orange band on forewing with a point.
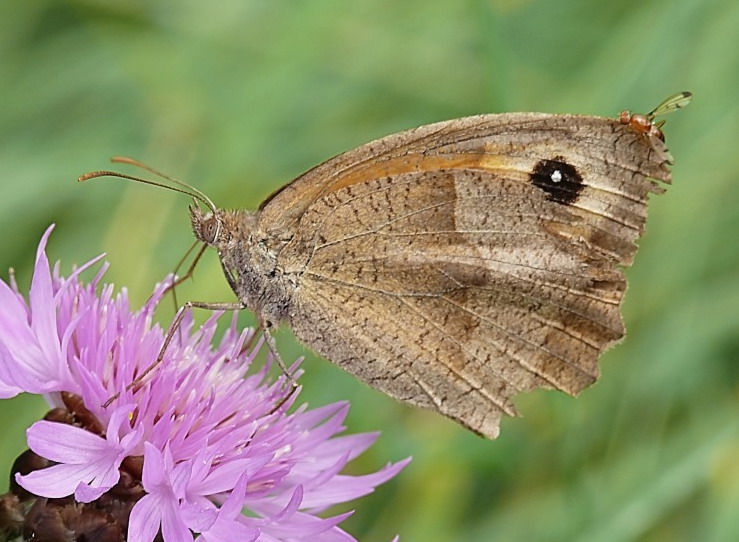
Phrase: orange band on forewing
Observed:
(412, 163)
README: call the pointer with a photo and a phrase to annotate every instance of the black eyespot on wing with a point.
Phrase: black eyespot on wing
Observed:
(560, 180)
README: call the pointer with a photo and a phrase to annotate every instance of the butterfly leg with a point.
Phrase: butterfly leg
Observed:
(266, 329)
(272, 344)
(267, 326)
(225, 306)
(139, 380)
(176, 281)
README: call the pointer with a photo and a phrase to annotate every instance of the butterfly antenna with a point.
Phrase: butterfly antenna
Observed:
(138, 164)
(188, 190)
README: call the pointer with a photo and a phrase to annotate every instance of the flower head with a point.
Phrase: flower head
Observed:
(183, 451)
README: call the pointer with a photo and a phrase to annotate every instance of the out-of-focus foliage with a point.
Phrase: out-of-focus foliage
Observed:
(239, 96)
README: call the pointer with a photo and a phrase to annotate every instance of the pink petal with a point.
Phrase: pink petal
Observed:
(227, 525)
(22, 359)
(86, 493)
(292, 505)
(35, 362)
(230, 531)
(65, 443)
(173, 527)
(234, 503)
(145, 519)
(56, 481)
(199, 516)
(8, 388)
(88, 463)
(307, 527)
(355, 444)
(346, 488)
(43, 307)
(154, 473)
(223, 477)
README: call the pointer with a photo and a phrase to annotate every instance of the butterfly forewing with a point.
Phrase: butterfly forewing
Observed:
(457, 264)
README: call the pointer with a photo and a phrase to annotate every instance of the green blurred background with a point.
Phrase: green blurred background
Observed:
(240, 96)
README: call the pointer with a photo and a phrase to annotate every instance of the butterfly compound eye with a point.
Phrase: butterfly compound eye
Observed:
(206, 227)
(211, 229)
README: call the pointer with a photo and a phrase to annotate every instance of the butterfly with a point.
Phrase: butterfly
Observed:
(458, 264)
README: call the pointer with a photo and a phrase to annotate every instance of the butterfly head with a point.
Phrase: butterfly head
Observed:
(206, 225)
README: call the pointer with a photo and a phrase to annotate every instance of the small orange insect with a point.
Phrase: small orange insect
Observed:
(645, 123)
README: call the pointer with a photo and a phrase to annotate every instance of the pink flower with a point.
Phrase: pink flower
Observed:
(203, 437)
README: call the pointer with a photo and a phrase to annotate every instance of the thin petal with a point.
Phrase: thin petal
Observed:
(22, 359)
(230, 531)
(346, 488)
(34, 346)
(235, 501)
(8, 370)
(43, 307)
(65, 443)
(86, 493)
(54, 482)
(307, 527)
(145, 519)
(199, 517)
(292, 506)
(173, 527)
(223, 477)
(154, 472)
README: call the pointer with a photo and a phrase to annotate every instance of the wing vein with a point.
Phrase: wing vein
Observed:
(525, 341)
(400, 297)
(502, 406)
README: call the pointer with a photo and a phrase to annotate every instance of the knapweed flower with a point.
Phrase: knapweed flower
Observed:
(204, 446)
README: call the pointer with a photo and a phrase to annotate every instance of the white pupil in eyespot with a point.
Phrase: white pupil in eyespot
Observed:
(556, 176)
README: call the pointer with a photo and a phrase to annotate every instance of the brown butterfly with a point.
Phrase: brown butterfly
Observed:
(457, 264)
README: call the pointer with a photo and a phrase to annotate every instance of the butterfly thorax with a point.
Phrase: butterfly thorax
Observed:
(248, 262)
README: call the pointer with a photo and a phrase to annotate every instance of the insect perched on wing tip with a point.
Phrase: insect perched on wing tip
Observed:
(645, 123)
